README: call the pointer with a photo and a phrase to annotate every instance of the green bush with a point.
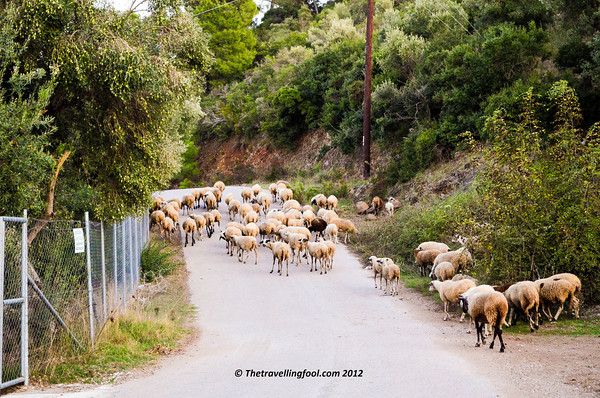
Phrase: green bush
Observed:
(158, 259)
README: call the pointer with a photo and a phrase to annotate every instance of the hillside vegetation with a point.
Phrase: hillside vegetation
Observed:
(518, 80)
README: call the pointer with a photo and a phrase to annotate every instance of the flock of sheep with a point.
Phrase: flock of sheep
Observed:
(487, 305)
(286, 232)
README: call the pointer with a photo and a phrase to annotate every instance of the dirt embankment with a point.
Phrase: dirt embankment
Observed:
(240, 160)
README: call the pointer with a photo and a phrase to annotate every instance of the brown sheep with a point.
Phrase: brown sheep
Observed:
(490, 308)
(425, 258)
(377, 204)
(189, 227)
(346, 226)
(156, 217)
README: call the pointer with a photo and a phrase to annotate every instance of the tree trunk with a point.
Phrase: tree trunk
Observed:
(48, 215)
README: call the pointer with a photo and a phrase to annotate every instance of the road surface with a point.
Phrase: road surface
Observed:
(251, 322)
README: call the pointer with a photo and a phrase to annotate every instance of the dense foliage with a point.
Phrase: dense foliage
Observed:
(117, 90)
(440, 68)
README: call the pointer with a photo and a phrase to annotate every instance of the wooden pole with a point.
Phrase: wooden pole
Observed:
(367, 95)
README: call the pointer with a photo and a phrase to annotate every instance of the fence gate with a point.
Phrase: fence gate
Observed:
(14, 367)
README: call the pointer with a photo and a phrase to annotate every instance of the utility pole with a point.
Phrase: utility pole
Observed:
(367, 95)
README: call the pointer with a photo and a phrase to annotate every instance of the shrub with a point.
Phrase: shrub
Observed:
(158, 259)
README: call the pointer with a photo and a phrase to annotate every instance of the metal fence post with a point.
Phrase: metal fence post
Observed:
(115, 265)
(131, 257)
(123, 264)
(2, 240)
(88, 260)
(25, 305)
(103, 260)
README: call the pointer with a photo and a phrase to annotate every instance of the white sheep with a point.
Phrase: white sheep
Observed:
(246, 194)
(276, 214)
(266, 229)
(524, 296)
(391, 274)
(264, 200)
(256, 189)
(251, 229)
(285, 194)
(229, 198)
(332, 202)
(210, 222)
(200, 223)
(459, 258)
(251, 217)
(317, 251)
(189, 227)
(329, 215)
(156, 218)
(246, 244)
(220, 185)
(331, 247)
(444, 271)
(176, 203)
(557, 291)
(218, 194)
(331, 232)
(377, 267)
(486, 307)
(283, 230)
(234, 208)
(449, 292)
(281, 252)
(210, 201)
(575, 281)
(308, 216)
(227, 235)
(319, 200)
(297, 244)
(291, 204)
(442, 247)
(273, 189)
(294, 222)
(217, 215)
(167, 227)
(244, 209)
(475, 290)
(345, 226)
(187, 202)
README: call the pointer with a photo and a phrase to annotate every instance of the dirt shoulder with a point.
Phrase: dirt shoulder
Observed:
(533, 362)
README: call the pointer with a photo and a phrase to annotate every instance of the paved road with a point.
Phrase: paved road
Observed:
(249, 319)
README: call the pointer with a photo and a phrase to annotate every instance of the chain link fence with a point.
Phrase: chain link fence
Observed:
(75, 285)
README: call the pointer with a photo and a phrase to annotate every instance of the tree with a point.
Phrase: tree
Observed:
(540, 192)
(25, 128)
(120, 82)
(232, 42)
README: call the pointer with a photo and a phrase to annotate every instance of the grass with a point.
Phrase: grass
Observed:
(563, 327)
(153, 325)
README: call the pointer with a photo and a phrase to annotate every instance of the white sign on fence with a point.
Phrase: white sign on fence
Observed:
(79, 240)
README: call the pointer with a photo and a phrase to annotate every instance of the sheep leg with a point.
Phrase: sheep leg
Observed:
(478, 329)
(498, 332)
(511, 313)
(186, 240)
(287, 268)
(446, 305)
(255, 256)
(273, 266)
(558, 312)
